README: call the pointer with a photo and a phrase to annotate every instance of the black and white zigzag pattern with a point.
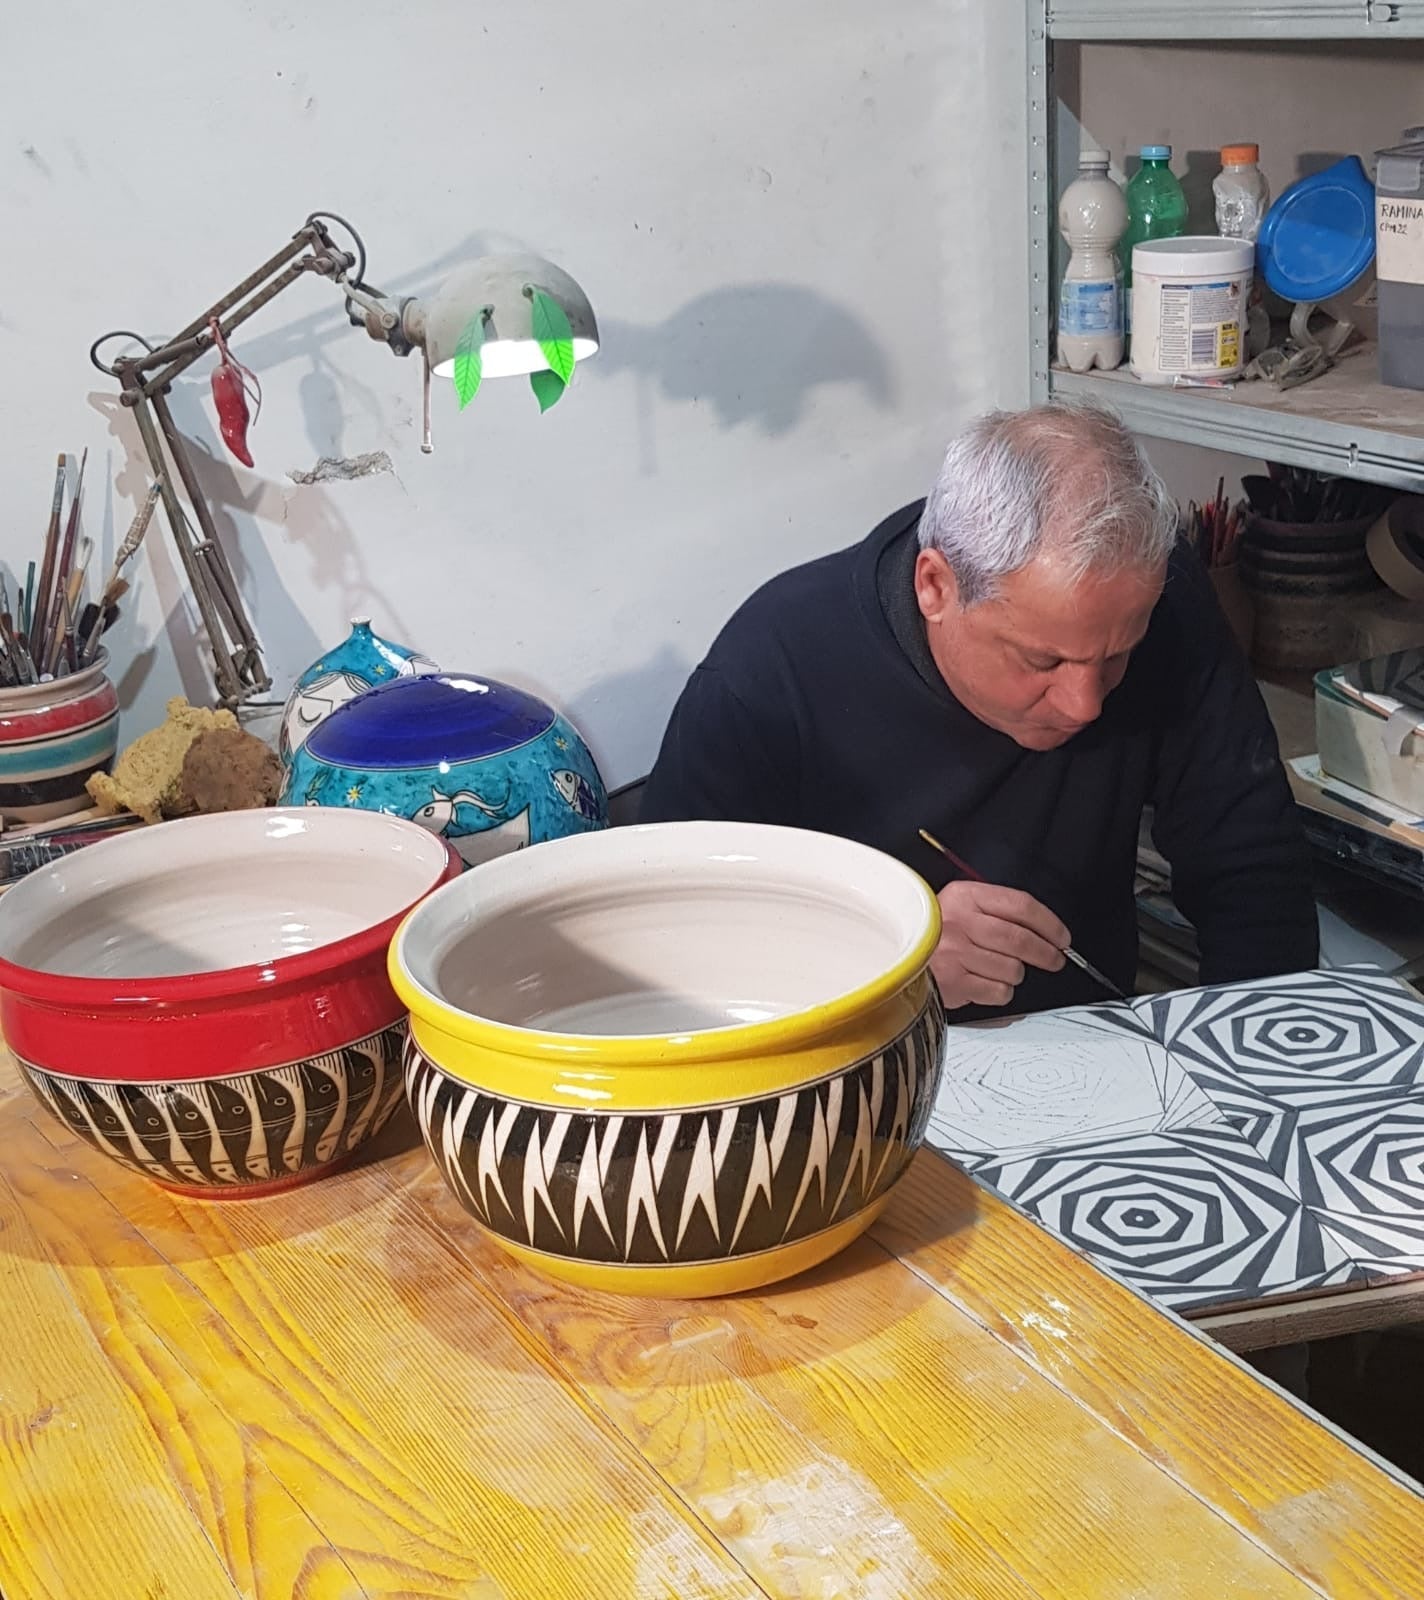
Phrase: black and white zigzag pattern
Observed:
(694, 1185)
(223, 1133)
(1306, 1170)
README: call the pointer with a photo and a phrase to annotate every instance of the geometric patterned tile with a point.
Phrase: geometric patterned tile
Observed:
(1218, 1145)
(1269, 1131)
(1295, 1040)
(1360, 1169)
(1192, 1218)
(1365, 1155)
(1380, 1246)
(1044, 1081)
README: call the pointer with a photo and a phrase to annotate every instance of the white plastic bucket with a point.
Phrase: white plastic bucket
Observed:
(1189, 300)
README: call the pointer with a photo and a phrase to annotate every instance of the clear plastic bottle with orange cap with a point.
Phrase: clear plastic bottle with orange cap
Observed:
(1242, 199)
(1241, 193)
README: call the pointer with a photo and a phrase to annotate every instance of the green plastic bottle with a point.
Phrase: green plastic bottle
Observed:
(1156, 208)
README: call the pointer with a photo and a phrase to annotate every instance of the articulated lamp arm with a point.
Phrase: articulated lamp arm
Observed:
(505, 299)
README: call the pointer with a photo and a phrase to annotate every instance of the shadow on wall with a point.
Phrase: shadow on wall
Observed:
(655, 683)
(754, 353)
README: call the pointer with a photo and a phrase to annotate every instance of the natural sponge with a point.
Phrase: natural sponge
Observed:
(147, 778)
(229, 769)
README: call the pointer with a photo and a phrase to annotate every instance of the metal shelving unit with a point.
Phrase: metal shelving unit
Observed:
(1233, 19)
(1345, 422)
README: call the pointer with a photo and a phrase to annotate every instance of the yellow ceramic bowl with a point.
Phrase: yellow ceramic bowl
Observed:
(682, 1059)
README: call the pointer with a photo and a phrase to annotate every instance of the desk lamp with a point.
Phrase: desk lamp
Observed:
(498, 316)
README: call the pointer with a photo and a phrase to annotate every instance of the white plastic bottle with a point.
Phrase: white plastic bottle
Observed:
(1092, 216)
(1242, 199)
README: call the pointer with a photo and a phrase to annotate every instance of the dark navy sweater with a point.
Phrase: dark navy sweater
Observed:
(819, 707)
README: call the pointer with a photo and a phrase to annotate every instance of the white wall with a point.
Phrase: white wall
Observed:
(801, 224)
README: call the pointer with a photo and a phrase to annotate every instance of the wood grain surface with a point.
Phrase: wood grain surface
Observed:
(345, 1392)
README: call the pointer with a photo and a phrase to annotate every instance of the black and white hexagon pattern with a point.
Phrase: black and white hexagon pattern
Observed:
(1298, 1040)
(1191, 1218)
(1361, 1170)
(1293, 1158)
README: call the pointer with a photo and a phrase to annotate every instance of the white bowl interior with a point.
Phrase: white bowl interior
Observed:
(673, 928)
(209, 893)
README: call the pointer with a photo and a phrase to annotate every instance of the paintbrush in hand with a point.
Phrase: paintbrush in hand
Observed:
(1070, 954)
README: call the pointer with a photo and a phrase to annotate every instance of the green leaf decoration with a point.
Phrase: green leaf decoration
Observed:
(469, 362)
(548, 388)
(555, 336)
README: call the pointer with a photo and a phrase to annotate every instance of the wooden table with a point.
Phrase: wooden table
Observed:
(344, 1392)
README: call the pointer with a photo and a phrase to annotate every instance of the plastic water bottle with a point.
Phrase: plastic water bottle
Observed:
(1156, 206)
(1242, 199)
(1240, 192)
(1091, 216)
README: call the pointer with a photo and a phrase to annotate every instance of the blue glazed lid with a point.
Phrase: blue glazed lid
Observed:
(421, 722)
(1319, 237)
(1156, 152)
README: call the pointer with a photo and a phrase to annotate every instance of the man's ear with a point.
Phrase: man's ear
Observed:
(936, 589)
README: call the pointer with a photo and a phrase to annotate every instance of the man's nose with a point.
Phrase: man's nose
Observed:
(1079, 692)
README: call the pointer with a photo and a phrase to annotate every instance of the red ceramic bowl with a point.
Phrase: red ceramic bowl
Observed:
(207, 1001)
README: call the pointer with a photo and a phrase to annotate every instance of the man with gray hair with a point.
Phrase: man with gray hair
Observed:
(1019, 664)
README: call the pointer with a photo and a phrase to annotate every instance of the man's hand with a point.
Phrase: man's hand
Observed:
(990, 935)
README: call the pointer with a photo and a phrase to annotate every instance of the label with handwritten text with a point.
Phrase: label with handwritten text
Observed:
(1399, 239)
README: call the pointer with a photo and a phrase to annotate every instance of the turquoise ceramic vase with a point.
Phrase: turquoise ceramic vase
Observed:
(487, 766)
(363, 660)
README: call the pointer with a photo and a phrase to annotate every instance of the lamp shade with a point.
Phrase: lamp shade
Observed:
(497, 284)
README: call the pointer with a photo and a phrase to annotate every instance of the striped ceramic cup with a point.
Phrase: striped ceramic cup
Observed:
(52, 736)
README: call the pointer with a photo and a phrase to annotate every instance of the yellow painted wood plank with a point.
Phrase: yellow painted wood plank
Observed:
(1324, 1508)
(798, 1509)
(858, 1398)
(70, 1422)
(332, 1442)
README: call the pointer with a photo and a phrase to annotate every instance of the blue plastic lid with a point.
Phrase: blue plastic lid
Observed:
(1319, 237)
(1156, 152)
(420, 722)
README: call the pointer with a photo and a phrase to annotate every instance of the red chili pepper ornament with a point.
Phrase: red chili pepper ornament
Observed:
(232, 384)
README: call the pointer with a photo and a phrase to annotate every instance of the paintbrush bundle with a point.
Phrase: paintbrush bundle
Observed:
(51, 631)
(1214, 530)
(1297, 495)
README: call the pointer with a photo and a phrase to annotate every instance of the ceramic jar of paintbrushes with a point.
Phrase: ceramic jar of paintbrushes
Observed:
(59, 713)
(1305, 562)
(52, 737)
